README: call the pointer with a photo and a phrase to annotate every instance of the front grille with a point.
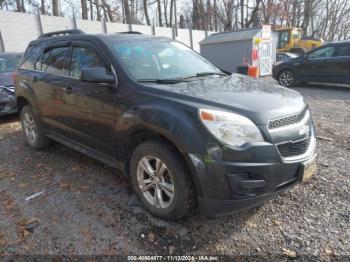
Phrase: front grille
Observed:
(286, 121)
(292, 149)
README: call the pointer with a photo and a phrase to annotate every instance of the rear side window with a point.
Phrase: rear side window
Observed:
(53, 61)
(343, 50)
(29, 57)
(83, 57)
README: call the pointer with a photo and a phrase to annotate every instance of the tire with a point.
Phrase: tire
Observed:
(286, 78)
(172, 176)
(32, 131)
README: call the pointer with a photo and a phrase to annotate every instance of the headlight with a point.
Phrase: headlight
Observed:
(230, 128)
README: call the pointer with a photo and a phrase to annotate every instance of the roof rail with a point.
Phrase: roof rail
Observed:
(61, 33)
(130, 32)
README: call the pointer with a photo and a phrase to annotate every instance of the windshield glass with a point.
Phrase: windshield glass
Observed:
(161, 59)
(8, 63)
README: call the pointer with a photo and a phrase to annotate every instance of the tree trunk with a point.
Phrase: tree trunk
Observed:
(242, 13)
(108, 11)
(215, 17)
(127, 11)
(84, 10)
(159, 13)
(166, 13)
(43, 8)
(55, 9)
(145, 9)
(98, 10)
(171, 12)
(91, 10)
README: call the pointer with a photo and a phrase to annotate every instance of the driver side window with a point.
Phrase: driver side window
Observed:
(325, 52)
(83, 57)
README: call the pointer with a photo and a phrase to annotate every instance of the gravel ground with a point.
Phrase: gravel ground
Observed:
(93, 212)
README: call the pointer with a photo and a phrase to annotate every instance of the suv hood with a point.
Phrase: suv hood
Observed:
(260, 100)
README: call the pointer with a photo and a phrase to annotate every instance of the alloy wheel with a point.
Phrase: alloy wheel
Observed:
(286, 78)
(155, 182)
(30, 128)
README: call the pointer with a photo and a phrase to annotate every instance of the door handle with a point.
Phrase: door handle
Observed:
(68, 89)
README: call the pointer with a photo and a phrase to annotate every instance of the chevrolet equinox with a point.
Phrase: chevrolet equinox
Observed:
(185, 133)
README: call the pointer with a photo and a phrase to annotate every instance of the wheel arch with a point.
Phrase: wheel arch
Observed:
(21, 102)
(141, 135)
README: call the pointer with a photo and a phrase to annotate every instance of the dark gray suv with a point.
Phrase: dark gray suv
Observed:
(183, 131)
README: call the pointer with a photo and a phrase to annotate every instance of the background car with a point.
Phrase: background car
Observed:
(280, 56)
(8, 62)
(329, 64)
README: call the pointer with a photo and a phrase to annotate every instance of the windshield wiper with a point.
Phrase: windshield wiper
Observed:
(204, 74)
(163, 81)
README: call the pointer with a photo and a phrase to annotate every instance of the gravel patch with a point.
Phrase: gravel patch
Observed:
(92, 210)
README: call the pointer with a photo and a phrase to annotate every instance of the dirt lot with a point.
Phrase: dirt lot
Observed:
(93, 212)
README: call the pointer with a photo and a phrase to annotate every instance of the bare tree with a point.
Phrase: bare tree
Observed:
(55, 8)
(145, 9)
(84, 9)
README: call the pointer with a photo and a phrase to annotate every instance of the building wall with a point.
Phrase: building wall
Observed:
(228, 55)
(18, 29)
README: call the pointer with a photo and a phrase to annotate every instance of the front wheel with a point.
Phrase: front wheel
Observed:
(160, 180)
(286, 78)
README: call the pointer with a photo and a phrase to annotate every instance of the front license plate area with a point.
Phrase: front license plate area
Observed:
(310, 168)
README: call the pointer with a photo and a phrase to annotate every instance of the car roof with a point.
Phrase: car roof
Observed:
(83, 36)
(347, 41)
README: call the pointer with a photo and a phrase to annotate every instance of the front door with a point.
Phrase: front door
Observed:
(319, 65)
(90, 106)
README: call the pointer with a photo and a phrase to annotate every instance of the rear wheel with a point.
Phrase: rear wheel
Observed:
(32, 131)
(286, 78)
(160, 180)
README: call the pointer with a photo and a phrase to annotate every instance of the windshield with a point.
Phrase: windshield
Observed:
(161, 59)
(8, 63)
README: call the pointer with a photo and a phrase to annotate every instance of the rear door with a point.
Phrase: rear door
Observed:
(320, 65)
(90, 107)
(50, 82)
(343, 59)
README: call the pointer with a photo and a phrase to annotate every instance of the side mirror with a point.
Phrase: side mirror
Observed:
(97, 75)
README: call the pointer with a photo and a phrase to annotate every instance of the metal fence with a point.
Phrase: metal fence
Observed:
(18, 29)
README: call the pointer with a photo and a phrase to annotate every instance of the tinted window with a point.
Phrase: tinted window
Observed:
(324, 52)
(53, 61)
(82, 58)
(343, 50)
(29, 57)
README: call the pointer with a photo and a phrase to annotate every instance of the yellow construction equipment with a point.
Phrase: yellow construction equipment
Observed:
(290, 39)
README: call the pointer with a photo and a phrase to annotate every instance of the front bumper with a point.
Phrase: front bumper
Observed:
(8, 103)
(249, 185)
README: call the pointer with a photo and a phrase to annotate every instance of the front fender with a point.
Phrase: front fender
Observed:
(178, 125)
